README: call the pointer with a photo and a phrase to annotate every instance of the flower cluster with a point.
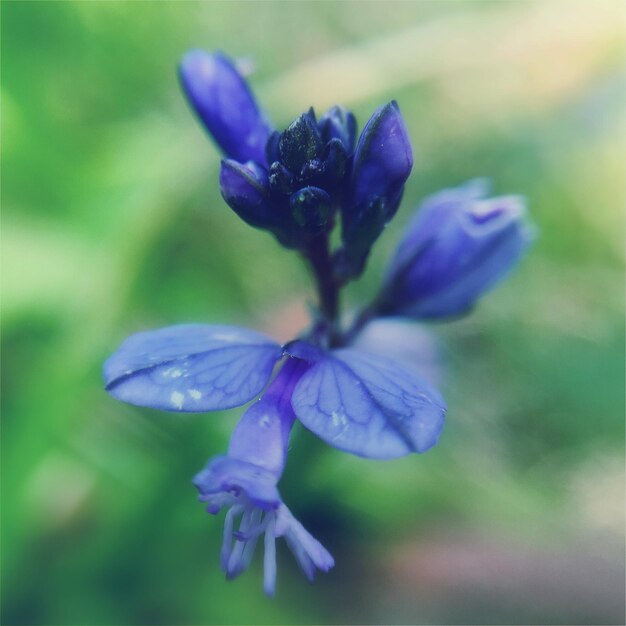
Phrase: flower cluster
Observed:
(296, 184)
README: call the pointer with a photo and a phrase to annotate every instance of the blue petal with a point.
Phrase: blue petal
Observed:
(368, 405)
(224, 103)
(191, 367)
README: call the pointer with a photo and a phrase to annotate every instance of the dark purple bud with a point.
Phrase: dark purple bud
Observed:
(382, 163)
(271, 148)
(335, 162)
(245, 188)
(280, 179)
(224, 103)
(458, 247)
(310, 208)
(300, 142)
(311, 170)
(338, 123)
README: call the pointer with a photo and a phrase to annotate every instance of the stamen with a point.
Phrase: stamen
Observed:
(304, 561)
(243, 550)
(249, 546)
(253, 532)
(269, 557)
(315, 551)
(228, 534)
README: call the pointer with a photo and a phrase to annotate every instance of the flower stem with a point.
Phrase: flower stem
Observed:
(318, 255)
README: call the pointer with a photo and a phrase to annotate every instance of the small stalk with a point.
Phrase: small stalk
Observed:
(319, 256)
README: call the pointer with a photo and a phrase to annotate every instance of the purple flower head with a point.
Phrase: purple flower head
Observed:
(459, 245)
(297, 184)
(292, 182)
(245, 483)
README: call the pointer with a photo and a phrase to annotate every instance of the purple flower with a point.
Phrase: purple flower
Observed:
(459, 246)
(359, 403)
(295, 184)
(356, 402)
(245, 482)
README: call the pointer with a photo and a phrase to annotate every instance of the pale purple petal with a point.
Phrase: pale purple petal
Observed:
(225, 475)
(191, 367)
(368, 405)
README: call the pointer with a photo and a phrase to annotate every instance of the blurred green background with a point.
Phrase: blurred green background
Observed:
(112, 223)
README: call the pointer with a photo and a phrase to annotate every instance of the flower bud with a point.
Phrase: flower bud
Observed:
(245, 189)
(225, 105)
(457, 248)
(335, 163)
(310, 208)
(382, 162)
(300, 142)
(280, 179)
(338, 123)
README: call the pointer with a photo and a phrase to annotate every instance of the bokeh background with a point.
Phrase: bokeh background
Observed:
(112, 223)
